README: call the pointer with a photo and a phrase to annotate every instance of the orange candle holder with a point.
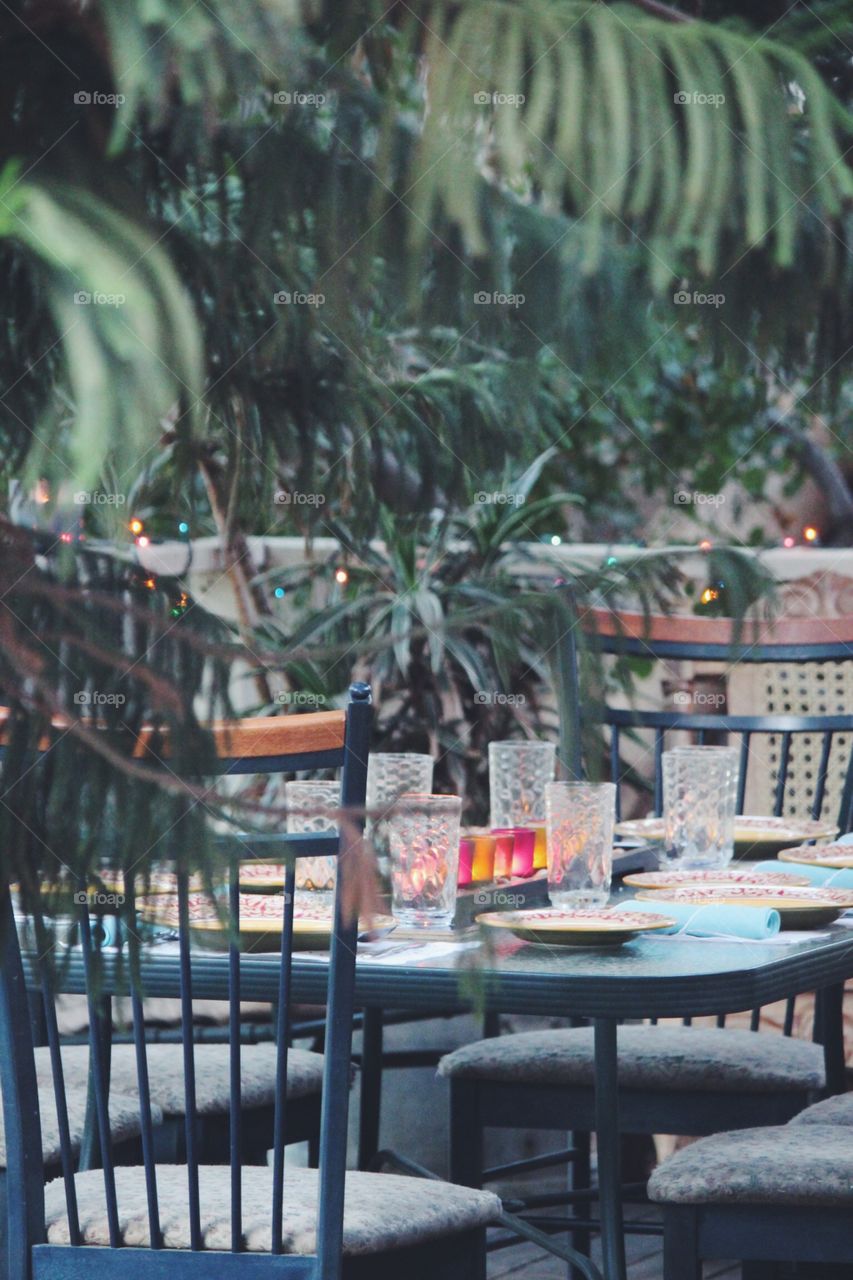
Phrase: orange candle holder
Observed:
(540, 848)
(483, 868)
(504, 845)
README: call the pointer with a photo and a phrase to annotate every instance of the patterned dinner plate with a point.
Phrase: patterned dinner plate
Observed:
(261, 921)
(799, 908)
(676, 879)
(756, 835)
(262, 877)
(585, 927)
(838, 856)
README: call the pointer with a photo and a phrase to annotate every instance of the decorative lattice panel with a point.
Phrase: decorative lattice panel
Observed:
(808, 688)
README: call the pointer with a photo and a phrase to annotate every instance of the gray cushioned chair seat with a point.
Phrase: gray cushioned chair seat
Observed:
(649, 1058)
(124, 1121)
(837, 1110)
(166, 1074)
(786, 1164)
(381, 1211)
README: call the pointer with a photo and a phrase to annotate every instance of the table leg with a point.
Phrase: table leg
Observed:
(608, 1141)
(371, 1087)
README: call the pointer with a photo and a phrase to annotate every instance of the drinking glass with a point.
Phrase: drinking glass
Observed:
(580, 842)
(308, 805)
(519, 772)
(699, 796)
(391, 774)
(424, 842)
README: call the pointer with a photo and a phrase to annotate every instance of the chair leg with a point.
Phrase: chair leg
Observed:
(466, 1134)
(371, 1087)
(580, 1180)
(681, 1243)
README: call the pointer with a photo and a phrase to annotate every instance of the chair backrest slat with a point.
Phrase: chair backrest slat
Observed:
(98, 1067)
(234, 1051)
(822, 772)
(782, 775)
(282, 1046)
(743, 765)
(190, 1110)
(66, 1154)
(143, 1081)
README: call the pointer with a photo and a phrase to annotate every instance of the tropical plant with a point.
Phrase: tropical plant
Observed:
(245, 248)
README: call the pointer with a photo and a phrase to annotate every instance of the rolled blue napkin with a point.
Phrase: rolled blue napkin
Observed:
(713, 921)
(838, 879)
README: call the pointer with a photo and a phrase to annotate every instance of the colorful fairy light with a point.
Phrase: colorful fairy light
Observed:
(556, 540)
(341, 577)
(136, 526)
(789, 542)
(706, 544)
(810, 533)
(279, 593)
(143, 541)
(709, 595)
(183, 527)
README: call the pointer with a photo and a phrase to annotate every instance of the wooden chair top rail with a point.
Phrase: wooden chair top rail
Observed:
(257, 737)
(721, 634)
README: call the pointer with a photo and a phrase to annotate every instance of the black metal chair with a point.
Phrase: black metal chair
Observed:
(763, 1196)
(674, 1080)
(233, 1220)
(257, 745)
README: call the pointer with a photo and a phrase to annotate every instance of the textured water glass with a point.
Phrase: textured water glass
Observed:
(580, 823)
(308, 806)
(699, 797)
(424, 843)
(519, 772)
(391, 774)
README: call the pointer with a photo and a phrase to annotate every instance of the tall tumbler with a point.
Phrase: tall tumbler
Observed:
(519, 772)
(390, 774)
(699, 797)
(308, 806)
(424, 840)
(581, 816)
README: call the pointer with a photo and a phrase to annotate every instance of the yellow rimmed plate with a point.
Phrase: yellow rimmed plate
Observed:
(798, 908)
(585, 927)
(677, 879)
(756, 835)
(261, 921)
(837, 856)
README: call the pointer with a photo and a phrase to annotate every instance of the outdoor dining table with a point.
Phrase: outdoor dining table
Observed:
(649, 977)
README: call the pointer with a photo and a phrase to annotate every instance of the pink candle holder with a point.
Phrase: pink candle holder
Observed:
(466, 862)
(504, 844)
(523, 848)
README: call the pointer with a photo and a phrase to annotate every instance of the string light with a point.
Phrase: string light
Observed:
(556, 540)
(136, 526)
(810, 533)
(709, 595)
(143, 541)
(279, 593)
(789, 542)
(150, 583)
(341, 576)
(611, 561)
(706, 544)
(183, 527)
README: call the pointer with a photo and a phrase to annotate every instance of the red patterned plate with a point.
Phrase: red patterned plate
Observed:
(677, 879)
(585, 927)
(838, 856)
